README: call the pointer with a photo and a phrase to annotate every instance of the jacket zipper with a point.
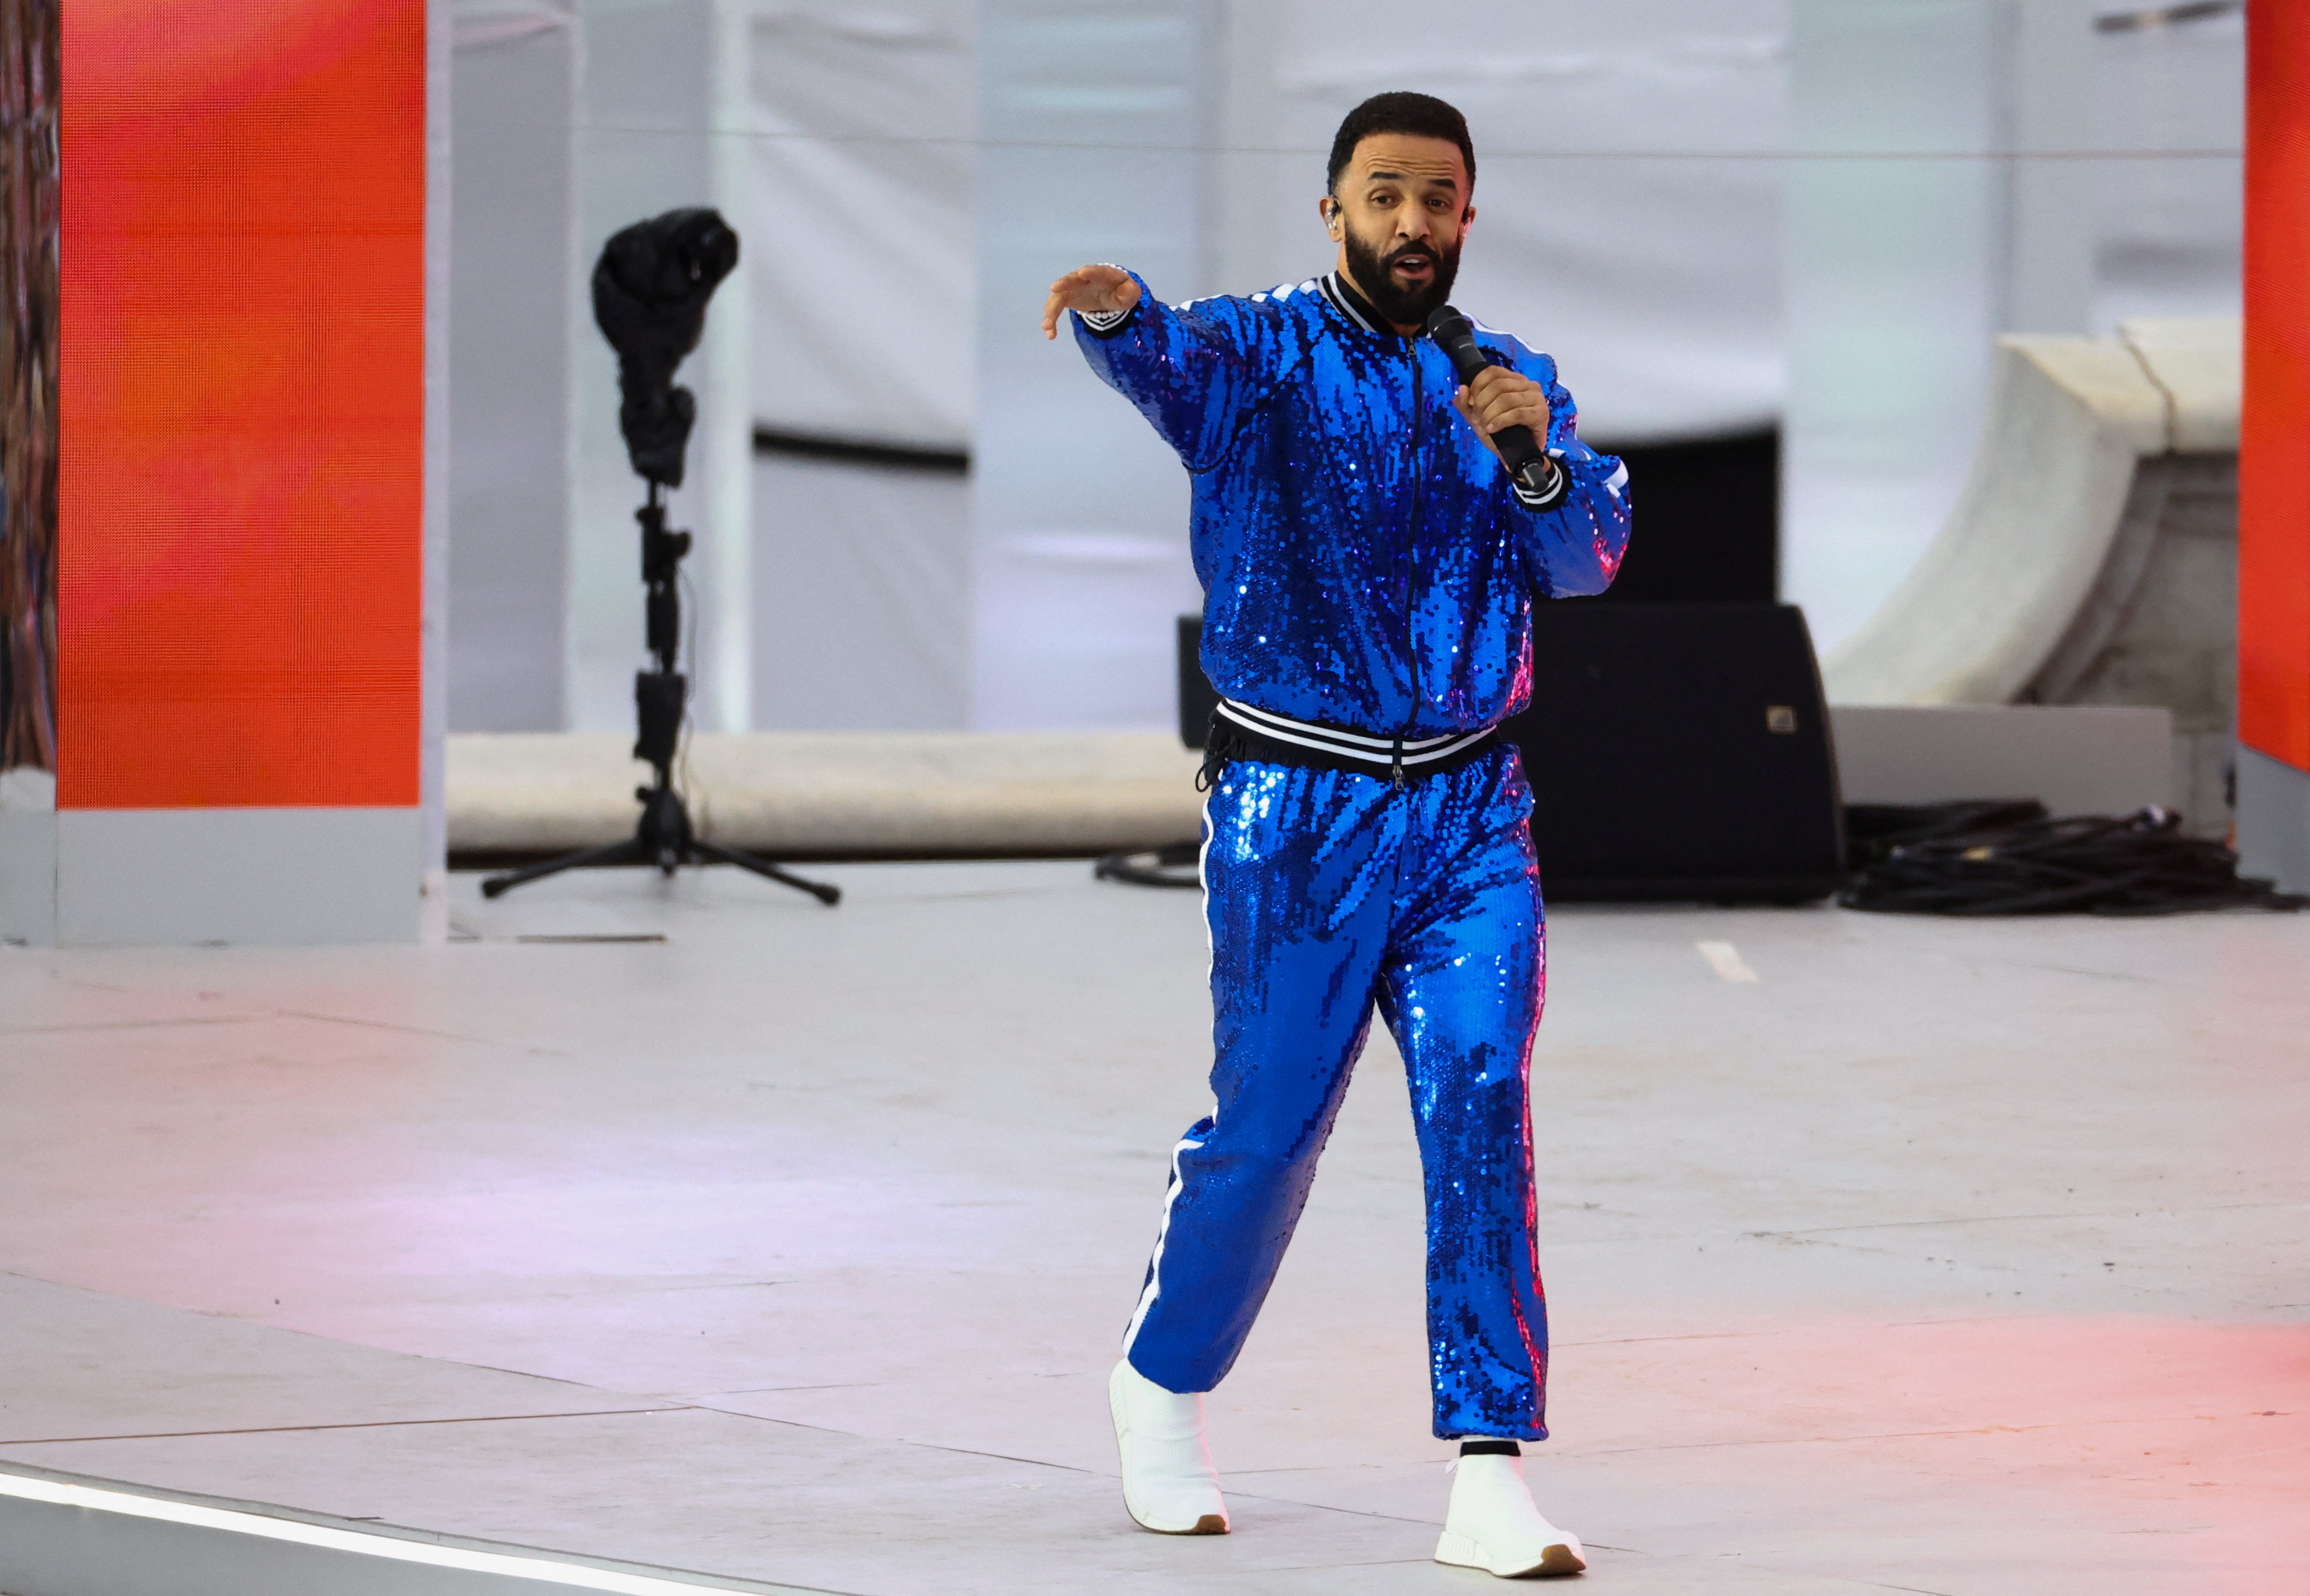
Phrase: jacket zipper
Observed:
(1412, 566)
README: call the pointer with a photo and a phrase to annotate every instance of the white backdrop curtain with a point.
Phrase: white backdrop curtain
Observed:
(1629, 219)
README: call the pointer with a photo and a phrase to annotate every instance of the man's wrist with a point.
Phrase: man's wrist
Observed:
(1556, 485)
(1106, 324)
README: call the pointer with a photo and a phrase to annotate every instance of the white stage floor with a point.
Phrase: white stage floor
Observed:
(1944, 1257)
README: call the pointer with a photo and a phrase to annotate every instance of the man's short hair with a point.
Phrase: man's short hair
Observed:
(1421, 115)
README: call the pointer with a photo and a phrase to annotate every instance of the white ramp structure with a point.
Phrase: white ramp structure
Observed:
(2092, 557)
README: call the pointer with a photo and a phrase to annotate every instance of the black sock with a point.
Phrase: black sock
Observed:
(1481, 1448)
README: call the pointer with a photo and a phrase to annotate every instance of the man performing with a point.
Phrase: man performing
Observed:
(1370, 569)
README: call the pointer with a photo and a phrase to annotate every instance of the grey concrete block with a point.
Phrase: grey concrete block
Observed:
(273, 876)
(28, 877)
(2074, 758)
(2273, 819)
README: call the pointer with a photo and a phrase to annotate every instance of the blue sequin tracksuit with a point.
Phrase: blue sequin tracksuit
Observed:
(1366, 566)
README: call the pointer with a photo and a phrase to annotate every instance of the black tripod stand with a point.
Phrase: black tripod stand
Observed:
(663, 836)
(650, 289)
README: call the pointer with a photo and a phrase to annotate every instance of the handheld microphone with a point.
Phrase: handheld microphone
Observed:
(1520, 452)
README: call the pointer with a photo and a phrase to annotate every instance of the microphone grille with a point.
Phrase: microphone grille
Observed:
(1445, 324)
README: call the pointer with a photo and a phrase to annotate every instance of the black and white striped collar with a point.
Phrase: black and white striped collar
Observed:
(1348, 302)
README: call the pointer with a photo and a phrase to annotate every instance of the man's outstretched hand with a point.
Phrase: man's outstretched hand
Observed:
(1094, 290)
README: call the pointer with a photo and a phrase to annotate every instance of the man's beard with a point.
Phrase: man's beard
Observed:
(1405, 307)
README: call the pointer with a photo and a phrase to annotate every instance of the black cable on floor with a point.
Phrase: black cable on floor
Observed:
(1977, 857)
(1175, 864)
(2010, 857)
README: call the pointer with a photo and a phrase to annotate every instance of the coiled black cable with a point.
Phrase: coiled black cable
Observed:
(2012, 858)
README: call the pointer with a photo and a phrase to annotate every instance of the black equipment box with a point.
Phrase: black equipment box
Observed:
(1676, 752)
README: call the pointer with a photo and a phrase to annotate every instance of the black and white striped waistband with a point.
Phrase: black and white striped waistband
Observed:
(1334, 748)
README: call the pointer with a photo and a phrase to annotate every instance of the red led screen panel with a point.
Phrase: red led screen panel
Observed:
(240, 478)
(2275, 439)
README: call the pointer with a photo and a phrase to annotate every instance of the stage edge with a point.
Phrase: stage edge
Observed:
(72, 1535)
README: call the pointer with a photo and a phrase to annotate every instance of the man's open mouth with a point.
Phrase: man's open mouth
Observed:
(1413, 265)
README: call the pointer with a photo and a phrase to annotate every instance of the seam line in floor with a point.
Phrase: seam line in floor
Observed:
(369, 1424)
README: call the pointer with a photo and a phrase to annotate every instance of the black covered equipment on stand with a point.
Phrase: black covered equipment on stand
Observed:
(651, 287)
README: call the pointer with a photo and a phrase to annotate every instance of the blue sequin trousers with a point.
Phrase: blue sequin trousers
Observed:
(1330, 894)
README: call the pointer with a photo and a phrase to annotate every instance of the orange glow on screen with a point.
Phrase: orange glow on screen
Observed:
(241, 400)
(2274, 442)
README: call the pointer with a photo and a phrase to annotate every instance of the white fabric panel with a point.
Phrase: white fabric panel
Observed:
(1895, 258)
(509, 288)
(1624, 220)
(660, 112)
(1079, 554)
(862, 580)
(1630, 199)
(1965, 155)
(860, 236)
(2171, 229)
(859, 244)
(433, 716)
(476, 25)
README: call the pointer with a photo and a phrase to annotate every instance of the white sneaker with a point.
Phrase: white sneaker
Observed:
(1168, 1483)
(1492, 1525)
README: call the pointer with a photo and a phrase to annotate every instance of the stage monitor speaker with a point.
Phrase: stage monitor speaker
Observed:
(1676, 752)
(1197, 697)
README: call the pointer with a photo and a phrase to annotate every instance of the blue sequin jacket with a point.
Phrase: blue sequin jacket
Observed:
(1364, 561)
